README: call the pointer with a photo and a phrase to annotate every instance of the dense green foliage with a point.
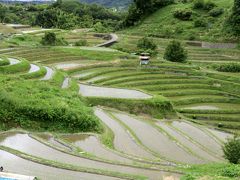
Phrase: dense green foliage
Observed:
(232, 150)
(81, 43)
(234, 19)
(110, 3)
(175, 52)
(229, 67)
(202, 4)
(183, 14)
(61, 14)
(40, 106)
(212, 171)
(163, 24)
(50, 39)
(141, 8)
(147, 45)
(157, 106)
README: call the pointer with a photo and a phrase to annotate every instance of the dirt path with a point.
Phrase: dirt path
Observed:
(110, 42)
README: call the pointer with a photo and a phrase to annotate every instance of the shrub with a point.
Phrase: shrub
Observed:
(198, 4)
(201, 4)
(230, 67)
(209, 5)
(147, 45)
(200, 22)
(50, 39)
(231, 150)
(234, 19)
(98, 27)
(183, 14)
(231, 171)
(175, 52)
(216, 12)
(82, 42)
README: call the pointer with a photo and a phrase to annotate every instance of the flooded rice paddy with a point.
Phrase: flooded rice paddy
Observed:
(94, 91)
(15, 164)
(33, 68)
(199, 136)
(67, 65)
(156, 140)
(66, 83)
(123, 141)
(197, 150)
(13, 61)
(26, 144)
(212, 106)
(48, 75)
(92, 145)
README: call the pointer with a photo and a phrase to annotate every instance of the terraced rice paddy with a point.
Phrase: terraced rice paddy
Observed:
(94, 91)
(26, 144)
(191, 91)
(139, 145)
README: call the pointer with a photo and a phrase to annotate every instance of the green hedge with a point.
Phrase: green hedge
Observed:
(157, 106)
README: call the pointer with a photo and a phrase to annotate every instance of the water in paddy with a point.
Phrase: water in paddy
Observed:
(81, 75)
(98, 49)
(65, 83)
(94, 91)
(157, 141)
(48, 75)
(221, 135)
(203, 108)
(33, 68)
(52, 141)
(24, 143)
(13, 61)
(67, 65)
(15, 164)
(123, 141)
(197, 150)
(96, 78)
(212, 106)
(91, 144)
(199, 136)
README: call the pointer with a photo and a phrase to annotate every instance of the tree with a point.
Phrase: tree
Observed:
(175, 52)
(49, 39)
(3, 12)
(146, 44)
(231, 150)
(234, 19)
(56, 18)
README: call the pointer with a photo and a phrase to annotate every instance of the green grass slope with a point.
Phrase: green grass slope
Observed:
(163, 23)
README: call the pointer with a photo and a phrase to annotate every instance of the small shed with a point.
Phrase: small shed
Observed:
(144, 58)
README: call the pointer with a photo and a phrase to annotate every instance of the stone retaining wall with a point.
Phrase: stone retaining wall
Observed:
(212, 45)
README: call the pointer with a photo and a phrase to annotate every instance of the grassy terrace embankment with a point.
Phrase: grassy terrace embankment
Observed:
(41, 105)
(163, 24)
